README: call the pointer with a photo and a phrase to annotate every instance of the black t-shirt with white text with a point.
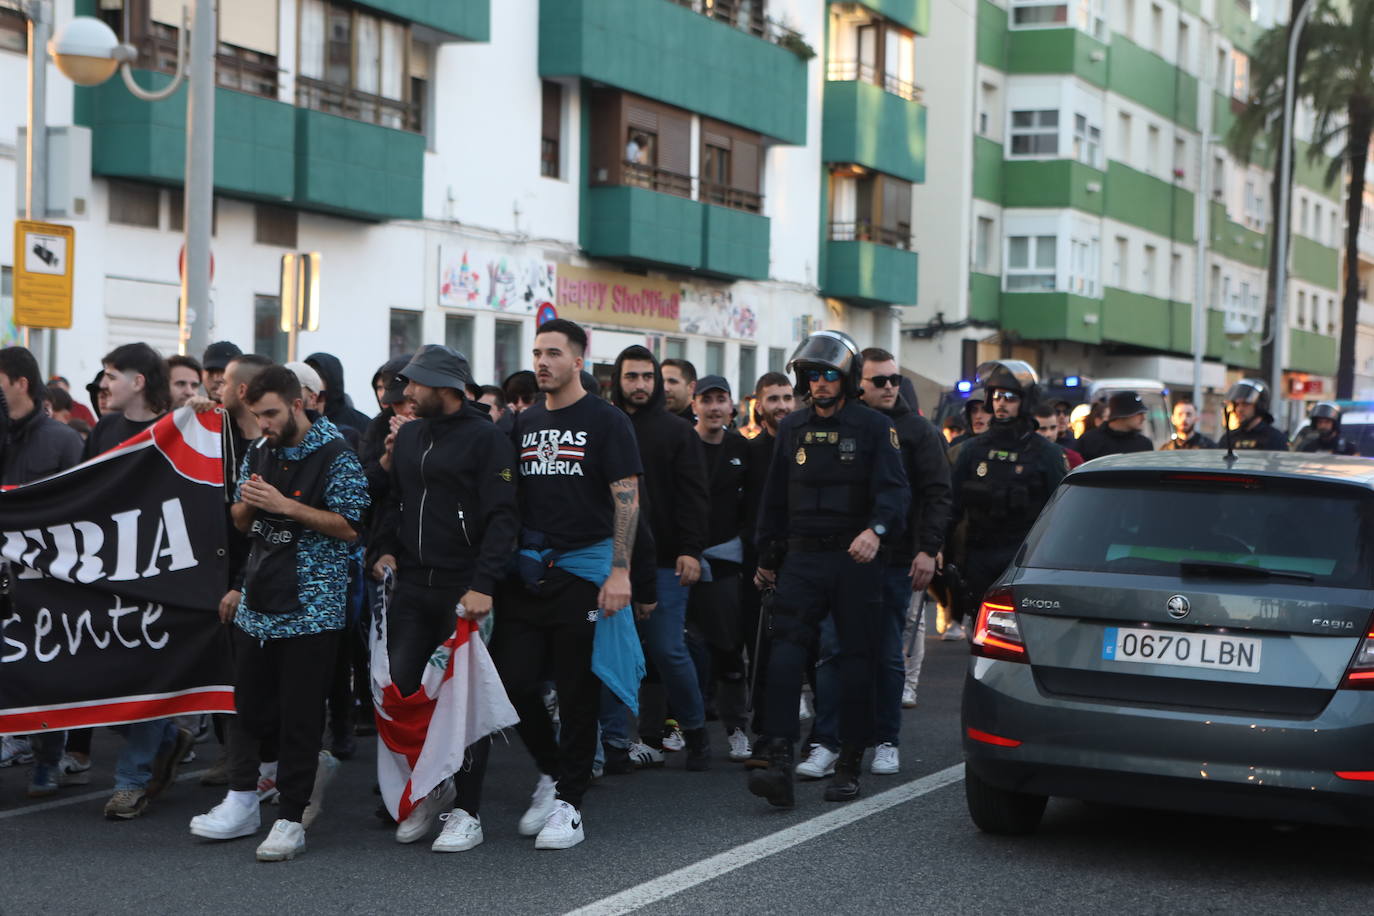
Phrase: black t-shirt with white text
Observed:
(568, 460)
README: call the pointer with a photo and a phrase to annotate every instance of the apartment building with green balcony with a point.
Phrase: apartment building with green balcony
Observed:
(1104, 201)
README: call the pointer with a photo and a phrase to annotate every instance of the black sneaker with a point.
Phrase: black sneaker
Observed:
(343, 746)
(618, 761)
(166, 765)
(698, 749)
(844, 785)
(774, 782)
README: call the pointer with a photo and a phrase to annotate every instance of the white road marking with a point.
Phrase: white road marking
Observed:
(676, 882)
(67, 800)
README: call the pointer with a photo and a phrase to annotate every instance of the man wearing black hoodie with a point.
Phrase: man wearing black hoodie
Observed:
(676, 495)
(337, 407)
(1121, 434)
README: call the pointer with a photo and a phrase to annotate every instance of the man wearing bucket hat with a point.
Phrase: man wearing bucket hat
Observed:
(1121, 433)
(447, 527)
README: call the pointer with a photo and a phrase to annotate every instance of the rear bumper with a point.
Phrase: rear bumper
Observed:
(1185, 760)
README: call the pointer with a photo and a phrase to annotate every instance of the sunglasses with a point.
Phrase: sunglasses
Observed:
(815, 375)
(882, 381)
(1011, 397)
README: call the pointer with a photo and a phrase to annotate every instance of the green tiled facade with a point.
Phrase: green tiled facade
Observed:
(1149, 202)
(1146, 321)
(467, 19)
(1145, 77)
(1057, 51)
(1052, 316)
(1052, 183)
(984, 297)
(357, 169)
(1314, 353)
(673, 55)
(868, 274)
(734, 243)
(636, 224)
(870, 127)
(255, 138)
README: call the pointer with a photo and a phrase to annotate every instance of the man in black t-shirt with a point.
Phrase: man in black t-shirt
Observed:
(136, 383)
(578, 489)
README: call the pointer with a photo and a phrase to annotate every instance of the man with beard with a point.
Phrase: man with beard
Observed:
(295, 588)
(1186, 436)
(1324, 435)
(448, 527)
(1003, 478)
(675, 498)
(1248, 400)
(836, 494)
(579, 507)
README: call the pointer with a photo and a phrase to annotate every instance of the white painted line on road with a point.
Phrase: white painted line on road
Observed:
(676, 882)
(67, 800)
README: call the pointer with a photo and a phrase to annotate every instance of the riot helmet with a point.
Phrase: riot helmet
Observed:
(828, 350)
(1325, 410)
(1251, 391)
(1011, 375)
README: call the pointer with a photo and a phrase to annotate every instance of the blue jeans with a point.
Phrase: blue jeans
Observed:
(665, 640)
(142, 743)
(615, 723)
(889, 669)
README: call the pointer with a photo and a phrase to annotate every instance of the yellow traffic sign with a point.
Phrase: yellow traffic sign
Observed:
(43, 254)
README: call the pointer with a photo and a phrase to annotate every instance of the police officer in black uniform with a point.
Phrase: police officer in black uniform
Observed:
(1003, 478)
(1248, 400)
(836, 493)
(1324, 433)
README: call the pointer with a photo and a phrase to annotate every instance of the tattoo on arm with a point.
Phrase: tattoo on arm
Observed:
(625, 494)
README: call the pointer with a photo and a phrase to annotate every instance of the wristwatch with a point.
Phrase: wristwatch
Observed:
(880, 530)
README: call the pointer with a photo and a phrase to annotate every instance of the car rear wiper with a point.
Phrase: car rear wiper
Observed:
(1239, 571)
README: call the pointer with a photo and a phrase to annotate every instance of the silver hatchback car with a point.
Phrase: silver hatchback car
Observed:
(1182, 630)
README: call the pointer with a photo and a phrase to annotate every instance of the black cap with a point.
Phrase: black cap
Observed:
(712, 383)
(438, 367)
(218, 355)
(1124, 404)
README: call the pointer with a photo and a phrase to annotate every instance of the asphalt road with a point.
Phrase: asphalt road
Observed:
(678, 842)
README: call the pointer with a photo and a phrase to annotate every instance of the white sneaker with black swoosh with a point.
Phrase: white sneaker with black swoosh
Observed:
(562, 830)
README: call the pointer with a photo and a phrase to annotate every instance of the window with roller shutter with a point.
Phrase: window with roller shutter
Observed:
(730, 161)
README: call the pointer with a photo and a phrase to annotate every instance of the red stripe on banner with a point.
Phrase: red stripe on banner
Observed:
(116, 712)
(189, 462)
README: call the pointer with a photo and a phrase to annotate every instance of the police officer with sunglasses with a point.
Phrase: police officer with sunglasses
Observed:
(1003, 478)
(837, 498)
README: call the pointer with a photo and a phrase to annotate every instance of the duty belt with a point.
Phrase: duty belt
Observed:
(826, 542)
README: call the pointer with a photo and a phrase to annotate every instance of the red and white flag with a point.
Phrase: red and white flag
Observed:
(423, 736)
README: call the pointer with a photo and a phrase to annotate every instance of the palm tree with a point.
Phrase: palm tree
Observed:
(1336, 67)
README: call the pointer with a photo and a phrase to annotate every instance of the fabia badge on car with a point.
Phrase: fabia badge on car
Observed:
(1178, 607)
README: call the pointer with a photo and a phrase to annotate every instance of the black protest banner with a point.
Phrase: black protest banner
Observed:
(116, 571)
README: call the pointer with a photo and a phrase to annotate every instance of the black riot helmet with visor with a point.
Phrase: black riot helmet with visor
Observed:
(1325, 410)
(833, 351)
(1017, 377)
(1251, 391)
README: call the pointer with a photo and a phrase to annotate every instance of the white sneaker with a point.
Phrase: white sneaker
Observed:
(324, 775)
(739, 745)
(953, 633)
(461, 831)
(908, 697)
(74, 772)
(562, 830)
(819, 762)
(422, 816)
(15, 751)
(286, 841)
(673, 739)
(542, 804)
(228, 820)
(645, 756)
(885, 760)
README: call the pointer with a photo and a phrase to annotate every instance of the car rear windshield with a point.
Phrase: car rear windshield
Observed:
(1150, 527)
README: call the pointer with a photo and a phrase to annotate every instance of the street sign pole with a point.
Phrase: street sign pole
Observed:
(35, 177)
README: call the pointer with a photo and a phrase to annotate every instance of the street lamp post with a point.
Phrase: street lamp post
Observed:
(36, 145)
(1285, 195)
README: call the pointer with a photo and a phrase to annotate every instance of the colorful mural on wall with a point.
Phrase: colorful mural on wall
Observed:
(478, 278)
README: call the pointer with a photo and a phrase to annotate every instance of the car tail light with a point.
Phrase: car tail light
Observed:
(998, 633)
(1360, 674)
(995, 740)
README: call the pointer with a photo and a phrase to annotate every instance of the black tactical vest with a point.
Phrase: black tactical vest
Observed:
(827, 487)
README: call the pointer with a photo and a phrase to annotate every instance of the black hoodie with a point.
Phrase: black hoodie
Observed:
(927, 471)
(674, 470)
(337, 407)
(1257, 435)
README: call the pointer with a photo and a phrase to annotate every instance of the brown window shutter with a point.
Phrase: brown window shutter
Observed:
(675, 143)
(553, 109)
(641, 117)
(744, 171)
(714, 138)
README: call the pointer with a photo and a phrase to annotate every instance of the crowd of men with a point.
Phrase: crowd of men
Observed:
(541, 510)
